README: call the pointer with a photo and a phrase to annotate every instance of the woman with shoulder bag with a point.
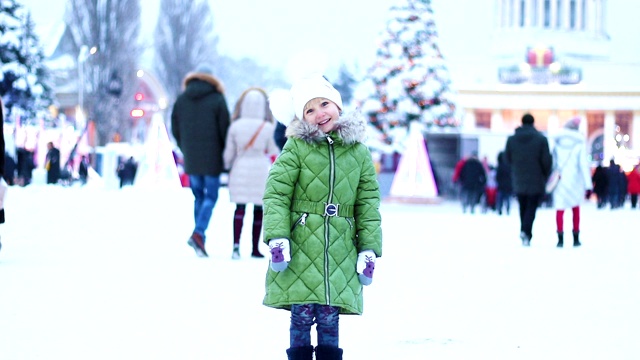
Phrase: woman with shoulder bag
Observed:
(575, 177)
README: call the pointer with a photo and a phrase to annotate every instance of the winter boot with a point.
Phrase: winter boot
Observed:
(236, 252)
(256, 229)
(576, 238)
(300, 353)
(196, 241)
(560, 239)
(324, 352)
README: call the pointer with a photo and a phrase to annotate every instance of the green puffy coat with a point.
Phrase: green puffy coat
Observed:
(315, 169)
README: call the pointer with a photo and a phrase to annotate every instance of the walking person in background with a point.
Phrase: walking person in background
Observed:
(249, 144)
(570, 151)
(52, 164)
(3, 185)
(455, 177)
(199, 124)
(127, 172)
(614, 185)
(83, 169)
(633, 185)
(600, 182)
(505, 187)
(322, 218)
(472, 182)
(527, 151)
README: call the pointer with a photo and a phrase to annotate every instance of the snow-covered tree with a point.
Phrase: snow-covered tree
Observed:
(344, 84)
(183, 39)
(409, 80)
(113, 28)
(23, 78)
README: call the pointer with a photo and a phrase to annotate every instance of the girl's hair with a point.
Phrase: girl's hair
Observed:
(268, 116)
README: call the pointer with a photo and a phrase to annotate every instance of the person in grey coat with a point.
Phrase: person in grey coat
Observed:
(199, 124)
(250, 143)
(569, 153)
(527, 151)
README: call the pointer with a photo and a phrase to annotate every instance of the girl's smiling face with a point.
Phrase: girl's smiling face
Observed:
(322, 112)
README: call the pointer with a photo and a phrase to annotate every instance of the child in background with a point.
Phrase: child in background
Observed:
(322, 220)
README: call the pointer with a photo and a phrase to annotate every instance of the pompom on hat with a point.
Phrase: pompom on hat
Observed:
(287, 105)
(573, 124)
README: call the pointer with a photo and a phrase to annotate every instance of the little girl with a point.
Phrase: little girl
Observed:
(321, 217)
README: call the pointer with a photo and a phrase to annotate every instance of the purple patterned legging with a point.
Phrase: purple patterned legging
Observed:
(303, 316)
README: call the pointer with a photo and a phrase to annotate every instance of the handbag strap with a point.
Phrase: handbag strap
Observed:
(564, 163)
(253, 138)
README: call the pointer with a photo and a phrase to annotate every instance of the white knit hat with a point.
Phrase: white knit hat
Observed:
(285, 105)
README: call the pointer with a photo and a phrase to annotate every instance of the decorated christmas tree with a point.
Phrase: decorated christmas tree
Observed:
(409, 80)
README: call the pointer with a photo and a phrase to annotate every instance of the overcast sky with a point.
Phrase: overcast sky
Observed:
(274, 31)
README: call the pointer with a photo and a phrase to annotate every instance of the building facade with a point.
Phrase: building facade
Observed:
(555, 59)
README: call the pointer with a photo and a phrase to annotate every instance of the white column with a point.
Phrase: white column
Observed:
(553, 123)
(497, 122)
(600, 17)
(540, 11)
(469, 120)
(500, 14)
(565, 22)
(578, 15)
(516, 14)
(554, 15)
(588, 18)
(527, 13)
(608, 140)
(597, 17)
(635, 131)
(584, 126)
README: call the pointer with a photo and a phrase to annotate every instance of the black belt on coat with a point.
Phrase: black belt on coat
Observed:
(322, 208)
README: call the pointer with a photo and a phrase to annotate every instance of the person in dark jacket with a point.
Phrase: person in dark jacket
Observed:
(3, 188)
(600, 185)
(9, 174)
(528, 153)
(279, 135)
(83, 169)
(127, 172)
(473, 179)
(614, 185)
(199, 123)
(505, 187)
(52, 164)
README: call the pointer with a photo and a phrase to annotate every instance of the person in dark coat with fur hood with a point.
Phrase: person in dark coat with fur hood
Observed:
(528, 153)
(199, 124)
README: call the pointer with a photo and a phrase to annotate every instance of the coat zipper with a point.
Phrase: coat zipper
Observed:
(301, 221)
(332, 176)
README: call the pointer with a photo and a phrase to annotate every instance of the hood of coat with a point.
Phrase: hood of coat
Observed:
(200, 84)
(350, 127)
(253, 105)
(567, 138)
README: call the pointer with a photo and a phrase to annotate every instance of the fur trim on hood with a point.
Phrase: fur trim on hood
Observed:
(350, 127)
(217, 83)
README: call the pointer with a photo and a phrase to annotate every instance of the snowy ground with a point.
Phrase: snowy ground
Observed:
(88, 273)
